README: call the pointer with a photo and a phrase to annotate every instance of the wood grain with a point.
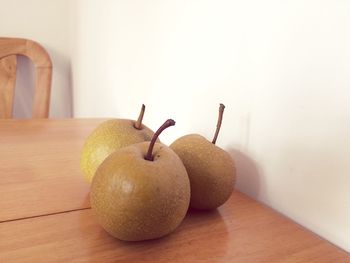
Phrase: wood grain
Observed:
(39, 170)
(43, 67)
(240, 231)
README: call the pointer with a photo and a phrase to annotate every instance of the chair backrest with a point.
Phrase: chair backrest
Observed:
(9, 49)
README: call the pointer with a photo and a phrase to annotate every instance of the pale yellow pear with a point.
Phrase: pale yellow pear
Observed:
(109, 136)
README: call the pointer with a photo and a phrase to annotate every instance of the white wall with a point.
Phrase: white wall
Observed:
(281, 67)
(49, 23)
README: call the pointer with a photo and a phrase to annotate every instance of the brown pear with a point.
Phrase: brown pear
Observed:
(141, 191)
(211, 170)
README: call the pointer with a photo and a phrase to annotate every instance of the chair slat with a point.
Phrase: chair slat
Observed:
(7, 85)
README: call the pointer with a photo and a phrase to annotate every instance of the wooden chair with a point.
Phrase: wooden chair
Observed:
(9, 49)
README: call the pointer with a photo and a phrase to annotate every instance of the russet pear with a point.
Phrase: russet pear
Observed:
(211, 170)
(141, 191)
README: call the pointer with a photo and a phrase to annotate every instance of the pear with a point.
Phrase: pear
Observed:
(141, 191)
(108, 137)
(211, 169)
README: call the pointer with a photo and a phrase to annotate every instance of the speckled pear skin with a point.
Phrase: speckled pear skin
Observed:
(108, 137)
(211, 171)
(135, 199)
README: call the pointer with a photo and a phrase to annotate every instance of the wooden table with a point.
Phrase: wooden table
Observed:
(45, 214)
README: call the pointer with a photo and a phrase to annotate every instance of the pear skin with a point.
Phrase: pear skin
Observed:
(211, 171)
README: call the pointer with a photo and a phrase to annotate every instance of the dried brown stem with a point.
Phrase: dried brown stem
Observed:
(166, 124)
(138, 123)
(218, 125)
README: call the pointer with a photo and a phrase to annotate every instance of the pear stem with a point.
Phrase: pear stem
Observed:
(138, 123)
(218, 125)
(165, 125)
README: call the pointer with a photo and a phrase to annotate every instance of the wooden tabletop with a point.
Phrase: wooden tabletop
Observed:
(45, 214)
